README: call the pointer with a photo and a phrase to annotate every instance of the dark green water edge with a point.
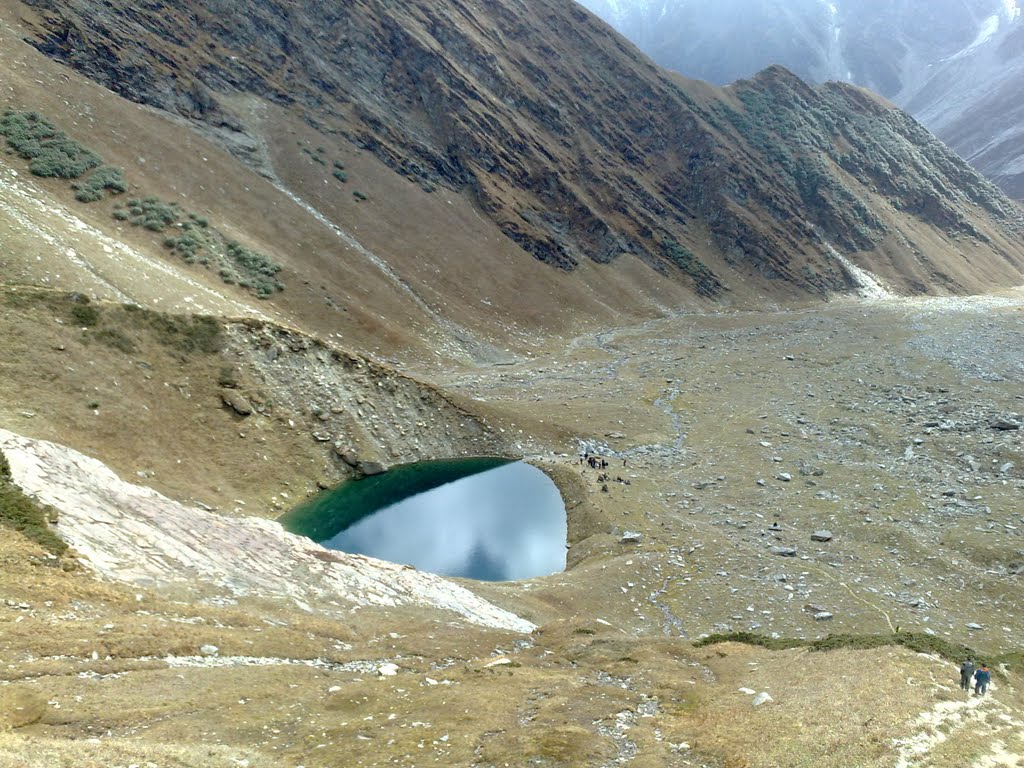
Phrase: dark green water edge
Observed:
(329, 513)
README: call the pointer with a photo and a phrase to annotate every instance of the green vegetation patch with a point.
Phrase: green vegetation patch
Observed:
(50, 152)
(920, 642)
(184, 333)
(106, 178)
(706, 282)
(25, 515)
(151, 213)
(125, 327)
(256, 270)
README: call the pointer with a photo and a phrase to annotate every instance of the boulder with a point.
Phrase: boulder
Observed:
(821, 536)
(823, 616)
(236, 401)
(370, 468)
(347, 455)
(762, 698)
(209, 650)
(631, 537)
(784, 551)
(387, 670)
(784, 477)
(1005, 424)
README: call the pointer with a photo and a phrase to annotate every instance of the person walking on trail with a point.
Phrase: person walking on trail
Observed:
(966, 673)
(981, 680)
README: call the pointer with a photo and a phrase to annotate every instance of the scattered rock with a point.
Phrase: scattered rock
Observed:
(387, 670)
(784, 551)
(631, 537)
(821, 536)
(236, 402)
(823, 616)
(762, 698)
(498, 663)
(209, 650)
(1006, 424)
(370, 468)
(784, 477)
(347, 455)
(973, 626)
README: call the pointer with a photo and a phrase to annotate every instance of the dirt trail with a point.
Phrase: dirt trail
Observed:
(947, 720)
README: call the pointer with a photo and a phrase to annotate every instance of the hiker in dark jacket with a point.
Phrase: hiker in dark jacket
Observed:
(981, 680)
(966, 673)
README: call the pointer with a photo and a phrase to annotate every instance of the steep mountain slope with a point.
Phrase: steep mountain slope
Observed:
(972, 101)
(947, 62)
(566, 138)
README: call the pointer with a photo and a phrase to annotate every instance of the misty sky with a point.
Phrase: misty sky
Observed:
(504, 524)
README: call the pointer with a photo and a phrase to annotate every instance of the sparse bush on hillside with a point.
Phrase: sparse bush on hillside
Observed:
(151, 213)
(103, 179)
(359, 195)
(83, 314)
(257, 271)
(50, 152)
(341, 176)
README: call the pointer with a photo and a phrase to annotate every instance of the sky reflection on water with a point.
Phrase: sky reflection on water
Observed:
(501, 525)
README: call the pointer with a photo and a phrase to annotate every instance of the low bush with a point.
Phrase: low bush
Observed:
(50, 152)
(106, 178)
(185, 333)
(24, 514)
(256, 270)
(150, 213)
(84, 315)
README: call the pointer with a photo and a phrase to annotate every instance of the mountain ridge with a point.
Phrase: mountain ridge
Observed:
(477, 101)
(946, 62)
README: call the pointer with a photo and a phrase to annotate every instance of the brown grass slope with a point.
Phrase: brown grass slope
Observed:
(572, 143)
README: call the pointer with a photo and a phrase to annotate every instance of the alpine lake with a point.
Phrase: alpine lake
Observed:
(488, 519)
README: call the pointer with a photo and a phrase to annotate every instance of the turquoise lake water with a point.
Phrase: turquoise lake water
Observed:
(487, 519)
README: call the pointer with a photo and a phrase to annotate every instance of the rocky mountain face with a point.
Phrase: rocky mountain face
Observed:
(947, 62)
(567, 138)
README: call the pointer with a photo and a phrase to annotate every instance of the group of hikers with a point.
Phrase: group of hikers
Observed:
(980, 674)
(595, 462)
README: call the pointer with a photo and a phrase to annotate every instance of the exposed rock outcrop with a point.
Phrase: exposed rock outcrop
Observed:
(134, 534)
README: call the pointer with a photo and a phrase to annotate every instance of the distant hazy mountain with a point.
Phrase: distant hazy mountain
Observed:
(958, 65)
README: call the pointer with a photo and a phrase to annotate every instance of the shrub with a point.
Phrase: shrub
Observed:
(24, 514)
(185, 333)
(84, 315)
(255, 269)
(151, 213)
(359, 195)
(103, 179)
(341, 176)
(115, 339)
(50, 152)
